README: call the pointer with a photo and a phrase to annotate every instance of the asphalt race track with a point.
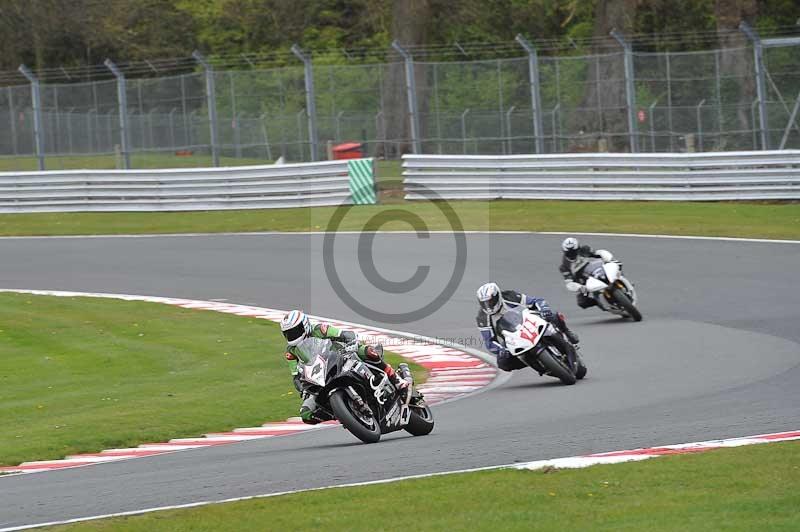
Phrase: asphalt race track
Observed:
(718, 355)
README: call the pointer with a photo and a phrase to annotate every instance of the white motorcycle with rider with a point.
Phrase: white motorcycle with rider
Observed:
(523, 331)
(597, 279)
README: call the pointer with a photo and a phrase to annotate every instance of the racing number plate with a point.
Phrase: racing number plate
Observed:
(529, 331)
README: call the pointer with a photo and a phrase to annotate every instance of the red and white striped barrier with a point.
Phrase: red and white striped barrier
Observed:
(452, 373)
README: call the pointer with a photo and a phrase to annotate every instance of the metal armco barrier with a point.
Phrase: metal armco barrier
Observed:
(246, 187)
(754, 175)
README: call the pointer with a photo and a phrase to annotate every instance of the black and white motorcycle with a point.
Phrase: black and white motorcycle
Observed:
(360, 396)
(535, 341)
(605, 283)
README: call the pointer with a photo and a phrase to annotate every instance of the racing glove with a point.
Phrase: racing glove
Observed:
(546, 313)
(604, 254)
(572, 286)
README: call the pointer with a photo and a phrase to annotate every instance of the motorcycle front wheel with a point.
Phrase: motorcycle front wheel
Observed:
(581, 371)
(555, 367)
(562, 346)
(366, 429)
(624, 301)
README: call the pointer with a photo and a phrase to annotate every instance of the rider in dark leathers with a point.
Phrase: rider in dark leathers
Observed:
(494, 303)
(572, 250)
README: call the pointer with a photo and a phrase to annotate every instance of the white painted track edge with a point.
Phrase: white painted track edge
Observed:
(476, 232)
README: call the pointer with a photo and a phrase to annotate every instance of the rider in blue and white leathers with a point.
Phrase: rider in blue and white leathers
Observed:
(494, 303)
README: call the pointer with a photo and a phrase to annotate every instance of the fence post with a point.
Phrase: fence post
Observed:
(263, 119)
(89, 135)
(381, 130)
(153, 143)
(300, 138)
(122, 101)
(38, 134)
(172, 127)
(508, 129)
(500, 106)
(669, 105)
(536, 99)
(57, 129)
(555, 112)
(69, 130)
(311, 104)
(718, 95)
(411, 93)
(190, 132)
(339, 126)
(211, 98)
(790, 122)
(12, 118)
(186, 134)
(436, 109)
(652, 126)
(237, 134)
(109, 127)
(758, 63)
(464, 129)
(698, 110)
(630, 94)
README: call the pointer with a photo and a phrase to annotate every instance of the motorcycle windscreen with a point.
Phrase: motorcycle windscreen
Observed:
(510, 321)
(595, 269)
(311, 347)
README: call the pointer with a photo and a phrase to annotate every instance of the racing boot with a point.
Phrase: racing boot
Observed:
(375, 355)
(569, 333)
(405, 373)
(399, 379)
(309, 411)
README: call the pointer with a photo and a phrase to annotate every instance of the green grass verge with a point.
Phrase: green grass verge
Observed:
(741, 489)
(710, 219)
(106, 162)
(86, 374)
(390, 170)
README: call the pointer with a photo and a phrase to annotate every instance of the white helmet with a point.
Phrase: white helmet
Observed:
(489, 298)
(295, 327)
(570, 247)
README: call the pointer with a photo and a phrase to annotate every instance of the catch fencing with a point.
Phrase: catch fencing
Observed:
(246, 187)
(754, 175)
(733, 99)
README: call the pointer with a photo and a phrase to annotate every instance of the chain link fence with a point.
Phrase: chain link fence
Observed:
(684, 102)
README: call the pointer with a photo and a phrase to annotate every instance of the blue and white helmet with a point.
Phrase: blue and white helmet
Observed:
(295, 327)
(489, 298)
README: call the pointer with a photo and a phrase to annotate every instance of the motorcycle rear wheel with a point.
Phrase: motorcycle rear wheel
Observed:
(340, 404)
(624, 301)
(420, 422)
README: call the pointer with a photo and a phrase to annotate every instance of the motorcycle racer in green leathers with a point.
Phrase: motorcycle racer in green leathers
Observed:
(296, 327)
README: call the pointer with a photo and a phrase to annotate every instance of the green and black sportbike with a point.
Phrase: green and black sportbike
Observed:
(359, 395)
